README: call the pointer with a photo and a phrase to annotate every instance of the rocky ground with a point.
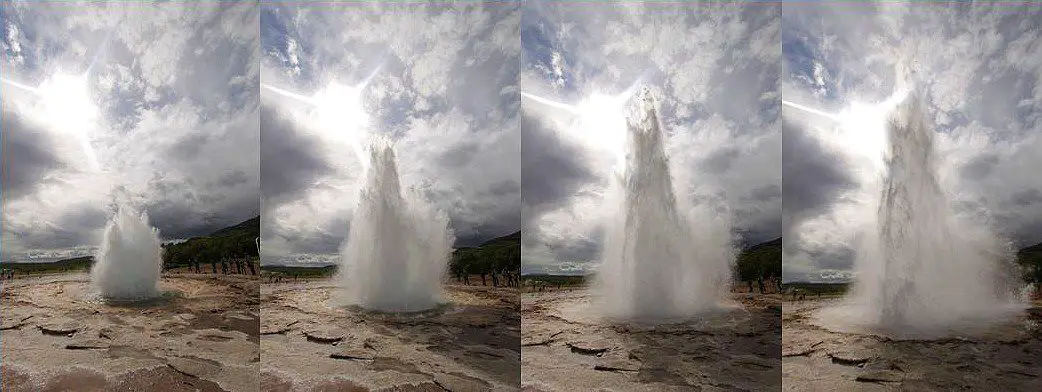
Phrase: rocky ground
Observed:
(311, 344)
(202, 335)
(565, 348)
(1006, 358)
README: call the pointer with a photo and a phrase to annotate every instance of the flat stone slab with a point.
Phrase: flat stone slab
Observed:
(851, 357)
(60, 327)
(14, 322)
(461, 383)
(216, 335)
(110, 333)
(880, 376)
(240, 316)
(540, 339)
(324, 335)
(752, 361)
(484, 352)
(616, 363)
(799, 349)
(590, 347)
(193, 367)
(352, 353)
(1013, 368)
(87, 344)
(277, 328)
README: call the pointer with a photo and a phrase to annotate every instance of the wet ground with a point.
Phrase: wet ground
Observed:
(1006, 357)
(568, 348)
(309, 343)
(201, 335)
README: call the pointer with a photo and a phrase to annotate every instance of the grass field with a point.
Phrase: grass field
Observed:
(67, 265)
(302, 272)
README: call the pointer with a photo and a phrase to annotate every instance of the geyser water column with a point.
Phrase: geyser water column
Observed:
(922, 269)
(398, 246)
(128, 264)
(658, 262)
(928, 270)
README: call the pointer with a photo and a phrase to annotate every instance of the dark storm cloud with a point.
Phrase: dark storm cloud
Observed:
(293, 160)
(551, 169)
(326, 241)
(76, 228)
(766, 193)
(495, 220)
(812, 176)
(189, 147)
(234, 178)
(27, 155)
(1027, 197)
(179, 209)
(980, 167)
(721, 160)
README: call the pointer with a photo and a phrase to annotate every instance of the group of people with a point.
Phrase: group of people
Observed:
(239, 266)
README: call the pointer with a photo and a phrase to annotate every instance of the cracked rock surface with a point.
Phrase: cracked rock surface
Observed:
(201, 335)
(311, 343)
(566, 347)
(1005, 358)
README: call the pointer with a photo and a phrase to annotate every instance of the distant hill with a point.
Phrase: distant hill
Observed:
(73, 264)
(761, 261)
(249, 228)
(498, 258)
(1030, 260)
(230, 242)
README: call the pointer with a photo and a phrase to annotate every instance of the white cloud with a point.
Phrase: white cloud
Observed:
(714, 73)
(175, 133)
(978, 67)
(444, 91)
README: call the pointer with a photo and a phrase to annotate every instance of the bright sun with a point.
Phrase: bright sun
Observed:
(861, 128)
(602, 122)
(67, 104)
(339, 112)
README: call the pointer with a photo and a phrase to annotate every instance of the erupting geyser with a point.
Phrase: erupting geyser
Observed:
(924, 271)
(659, 263)
(398, 246)
(128, 264)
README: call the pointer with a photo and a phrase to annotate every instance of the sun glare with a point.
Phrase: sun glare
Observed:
(863, 131)
(67, 104)
(339, 112)
(602, 123)
(864, 128)
(860, 128)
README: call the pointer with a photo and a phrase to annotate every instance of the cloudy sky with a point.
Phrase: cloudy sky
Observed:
(979, 68)
(442, 84)
(714, 71)
(165, 119)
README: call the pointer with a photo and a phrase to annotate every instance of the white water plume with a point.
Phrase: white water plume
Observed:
(659, 262)
(398, 247)
(923, 270)
(129, 261)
